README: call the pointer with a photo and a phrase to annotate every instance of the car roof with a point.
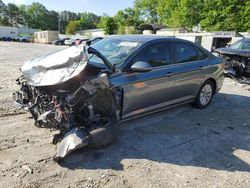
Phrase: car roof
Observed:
(143, 38)
(246, 39)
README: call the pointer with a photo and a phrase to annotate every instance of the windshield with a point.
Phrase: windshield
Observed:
(235, 45)
(114, 50)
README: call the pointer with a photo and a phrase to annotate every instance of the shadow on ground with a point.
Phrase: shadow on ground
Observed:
(183, 136)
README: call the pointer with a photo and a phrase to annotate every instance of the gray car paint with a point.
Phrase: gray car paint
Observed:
(166, 86)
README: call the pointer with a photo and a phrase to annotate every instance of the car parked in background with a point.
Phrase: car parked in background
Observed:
(81, 41)
(70, 42)
(25, 39)
(60, 41)
(237, 58)
(17, 39)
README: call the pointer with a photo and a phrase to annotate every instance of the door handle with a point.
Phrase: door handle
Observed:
(200, 67)
(169, 74)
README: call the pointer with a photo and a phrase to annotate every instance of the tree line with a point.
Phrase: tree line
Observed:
(209, 15)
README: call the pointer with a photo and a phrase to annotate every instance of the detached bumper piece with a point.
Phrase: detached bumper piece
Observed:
(78, 138)
(73, 140)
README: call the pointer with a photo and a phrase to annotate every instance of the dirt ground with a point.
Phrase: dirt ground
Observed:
(180, 147)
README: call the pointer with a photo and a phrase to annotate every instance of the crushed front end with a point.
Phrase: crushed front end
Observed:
(62, 91)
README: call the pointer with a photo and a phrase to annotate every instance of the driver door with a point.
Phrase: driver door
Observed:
(147, 91)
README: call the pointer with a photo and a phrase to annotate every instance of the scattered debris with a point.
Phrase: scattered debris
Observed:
(27, 168)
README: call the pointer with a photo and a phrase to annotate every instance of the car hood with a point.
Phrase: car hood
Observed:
(55, 68)
(231, 51)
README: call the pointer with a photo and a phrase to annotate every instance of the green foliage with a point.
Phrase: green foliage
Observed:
(108, 24)
(127, 18)
(245, 17)
(226, 15)
(88, 21)
(73, 26)
(10, 15)
(37, 16)
(148, 10)
(186, 14)
(211, 15)
(65, 17)
(3, 16)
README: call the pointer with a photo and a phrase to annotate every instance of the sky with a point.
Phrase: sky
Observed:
(98, 7)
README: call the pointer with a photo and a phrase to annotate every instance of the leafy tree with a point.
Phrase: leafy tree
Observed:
(108, 24)
(88, 20)
(245, 17)
(73, 26)
(165, 9)
(52, 20)
(23, 14)
(10, 15)
(210, 14)
(127, 18)
(65, 17)
(186, 14)
(37, 16)
(225, 15)
(148, 10)
(3, 14)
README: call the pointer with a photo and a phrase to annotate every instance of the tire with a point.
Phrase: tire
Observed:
(104, 135)
(205, 95)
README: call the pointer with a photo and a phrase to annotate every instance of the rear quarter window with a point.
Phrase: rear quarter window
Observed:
(202, 54)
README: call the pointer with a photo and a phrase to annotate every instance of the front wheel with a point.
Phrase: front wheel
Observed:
(205, 95)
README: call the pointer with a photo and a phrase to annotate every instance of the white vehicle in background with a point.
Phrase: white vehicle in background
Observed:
(70, 42)
(8, 33)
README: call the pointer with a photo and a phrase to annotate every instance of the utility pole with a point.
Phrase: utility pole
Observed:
(59, 22)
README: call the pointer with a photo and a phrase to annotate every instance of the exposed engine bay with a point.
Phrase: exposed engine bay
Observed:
(237, 62)
(237, 66)
(62, 91)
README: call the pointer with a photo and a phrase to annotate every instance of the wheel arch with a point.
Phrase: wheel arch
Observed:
(214, 83)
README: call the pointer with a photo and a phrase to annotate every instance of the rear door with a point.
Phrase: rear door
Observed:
(188, 70)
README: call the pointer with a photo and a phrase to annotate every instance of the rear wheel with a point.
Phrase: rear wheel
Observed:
(205, 95)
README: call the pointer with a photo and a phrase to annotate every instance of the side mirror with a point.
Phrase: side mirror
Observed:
(141, 66)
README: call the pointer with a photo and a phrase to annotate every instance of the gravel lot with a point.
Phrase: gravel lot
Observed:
(180, 147)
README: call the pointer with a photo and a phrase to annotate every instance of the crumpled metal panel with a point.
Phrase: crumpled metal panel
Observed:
(55, 68)
(76, 138)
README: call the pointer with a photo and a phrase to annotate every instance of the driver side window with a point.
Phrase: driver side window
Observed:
(156, 55)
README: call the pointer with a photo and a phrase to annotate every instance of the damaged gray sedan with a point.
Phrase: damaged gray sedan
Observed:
(85, 91)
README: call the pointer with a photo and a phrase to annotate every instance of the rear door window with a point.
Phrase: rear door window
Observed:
(246, 46)
(185, 52)
(156, 55)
